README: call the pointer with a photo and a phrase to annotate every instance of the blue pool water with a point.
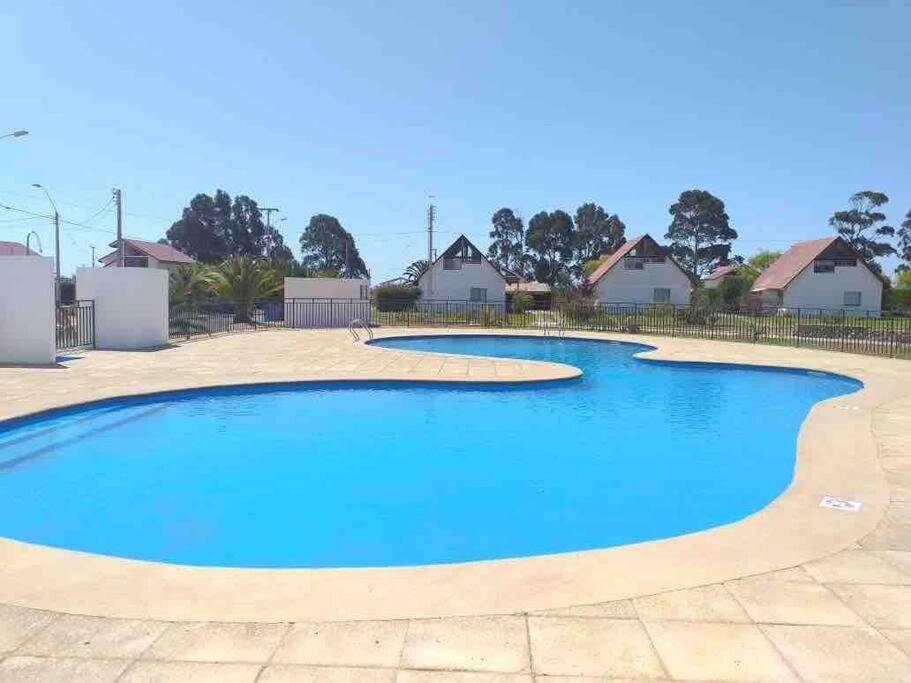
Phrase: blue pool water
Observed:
(379, 474)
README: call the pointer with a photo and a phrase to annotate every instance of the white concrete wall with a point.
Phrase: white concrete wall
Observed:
(827, 290)
(27, 309)
(455, 285)
(131, 306)
(325, 287)
(637, 286)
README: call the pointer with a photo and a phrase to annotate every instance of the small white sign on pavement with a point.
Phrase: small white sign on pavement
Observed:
(840, 504)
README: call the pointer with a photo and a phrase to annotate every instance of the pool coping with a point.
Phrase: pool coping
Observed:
(836, 456)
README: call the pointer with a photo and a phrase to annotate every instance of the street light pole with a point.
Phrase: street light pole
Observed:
(56, 240)
(15, 134)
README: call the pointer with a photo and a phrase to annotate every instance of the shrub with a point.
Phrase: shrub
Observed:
(521, 302)
(395, 297)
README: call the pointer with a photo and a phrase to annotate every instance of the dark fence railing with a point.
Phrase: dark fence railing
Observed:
(869, 332)
(75, 325)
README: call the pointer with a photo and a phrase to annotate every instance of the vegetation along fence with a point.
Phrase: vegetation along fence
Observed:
(75, 325)
(867, 332)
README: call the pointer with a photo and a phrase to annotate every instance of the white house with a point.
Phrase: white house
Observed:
(641, 272)
(463, 273)
(142, 254)
(826, 273)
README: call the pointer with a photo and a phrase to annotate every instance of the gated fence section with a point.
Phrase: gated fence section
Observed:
(75, 325)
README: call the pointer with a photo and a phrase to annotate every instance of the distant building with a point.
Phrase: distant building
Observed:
(142, 254)
(825, 274)
(721, 273)
(462, 273)
(641, 272)
(15, 249)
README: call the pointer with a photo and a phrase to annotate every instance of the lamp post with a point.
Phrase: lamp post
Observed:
(15, 134)
(56, 240)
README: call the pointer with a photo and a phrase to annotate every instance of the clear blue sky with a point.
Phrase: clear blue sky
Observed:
(362, 110)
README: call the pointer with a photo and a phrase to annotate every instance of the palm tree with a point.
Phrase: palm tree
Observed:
(415, 270)
(190, 284)
(243, 281)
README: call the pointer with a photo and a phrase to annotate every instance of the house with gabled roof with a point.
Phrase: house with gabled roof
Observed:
(462, 273)
(142, 254)
(641, 271)
(826, 274)
(721, 273)
(15, 249)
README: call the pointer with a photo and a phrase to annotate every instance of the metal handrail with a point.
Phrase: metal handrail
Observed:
(352, 329)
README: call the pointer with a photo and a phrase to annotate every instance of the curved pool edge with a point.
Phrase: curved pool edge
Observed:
(792, 529)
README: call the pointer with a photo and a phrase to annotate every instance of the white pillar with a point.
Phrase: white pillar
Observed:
(27, 310)
(131, 306)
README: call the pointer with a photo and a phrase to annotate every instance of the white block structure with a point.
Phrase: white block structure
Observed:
(27, 310)
(313, 302)
(131, 306)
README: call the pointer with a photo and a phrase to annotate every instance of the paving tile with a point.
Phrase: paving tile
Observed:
(705, 603)
(900, 637)
(893, 532)
(18, 669)
(190, 672)
(899, 485)
(789, 574)
(468, 643)
(900, 559)
(78, 636)
(713, 651)
(780, 602)
(352, 643)
(618, 609)
(592, 647)
(839, 653)
(408, 676)
(855, 566)
(882, 606)
(296, 673)
(17, 624)
(217, 642)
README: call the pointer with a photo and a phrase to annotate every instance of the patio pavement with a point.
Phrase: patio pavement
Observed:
(842, 617)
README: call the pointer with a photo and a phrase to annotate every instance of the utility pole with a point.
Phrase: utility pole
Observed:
(431, 214)
(118, 200)
(92, 247)
(269, 212)
(56, 240)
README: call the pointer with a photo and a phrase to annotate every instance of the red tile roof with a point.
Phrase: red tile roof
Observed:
(721, 271)
(614, 259)
(15, 249)
(162, 252)
(791, 263)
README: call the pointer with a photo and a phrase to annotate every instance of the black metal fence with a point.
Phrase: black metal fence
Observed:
(868, 332)
(75, 325)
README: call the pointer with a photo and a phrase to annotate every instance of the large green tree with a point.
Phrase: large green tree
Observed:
(213, 228)
(598, 232)
(550, 240)
(863, 226)
(507, 248)
(327, 247)
(762, 259)
(700, 231)
(904, 243)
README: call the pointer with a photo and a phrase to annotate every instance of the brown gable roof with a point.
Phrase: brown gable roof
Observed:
(721, 271)
(627, 247)
(471, 244)
(162, 252)
(15, 249)
(791, 263)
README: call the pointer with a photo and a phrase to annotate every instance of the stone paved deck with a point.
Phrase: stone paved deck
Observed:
(845, 616)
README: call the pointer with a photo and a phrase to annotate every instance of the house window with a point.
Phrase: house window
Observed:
(633, 263)
(452, 263)
(655, 259)
(365, 292)
(852, 298)
(661, 295)
(478, 294)
(845, 263)
(823, 266)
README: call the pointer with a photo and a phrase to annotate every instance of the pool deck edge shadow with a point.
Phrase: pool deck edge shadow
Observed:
(837, 455)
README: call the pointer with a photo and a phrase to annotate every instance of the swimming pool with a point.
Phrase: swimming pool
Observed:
(386, 474)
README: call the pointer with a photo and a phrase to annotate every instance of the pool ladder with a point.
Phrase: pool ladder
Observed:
(358, 323)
